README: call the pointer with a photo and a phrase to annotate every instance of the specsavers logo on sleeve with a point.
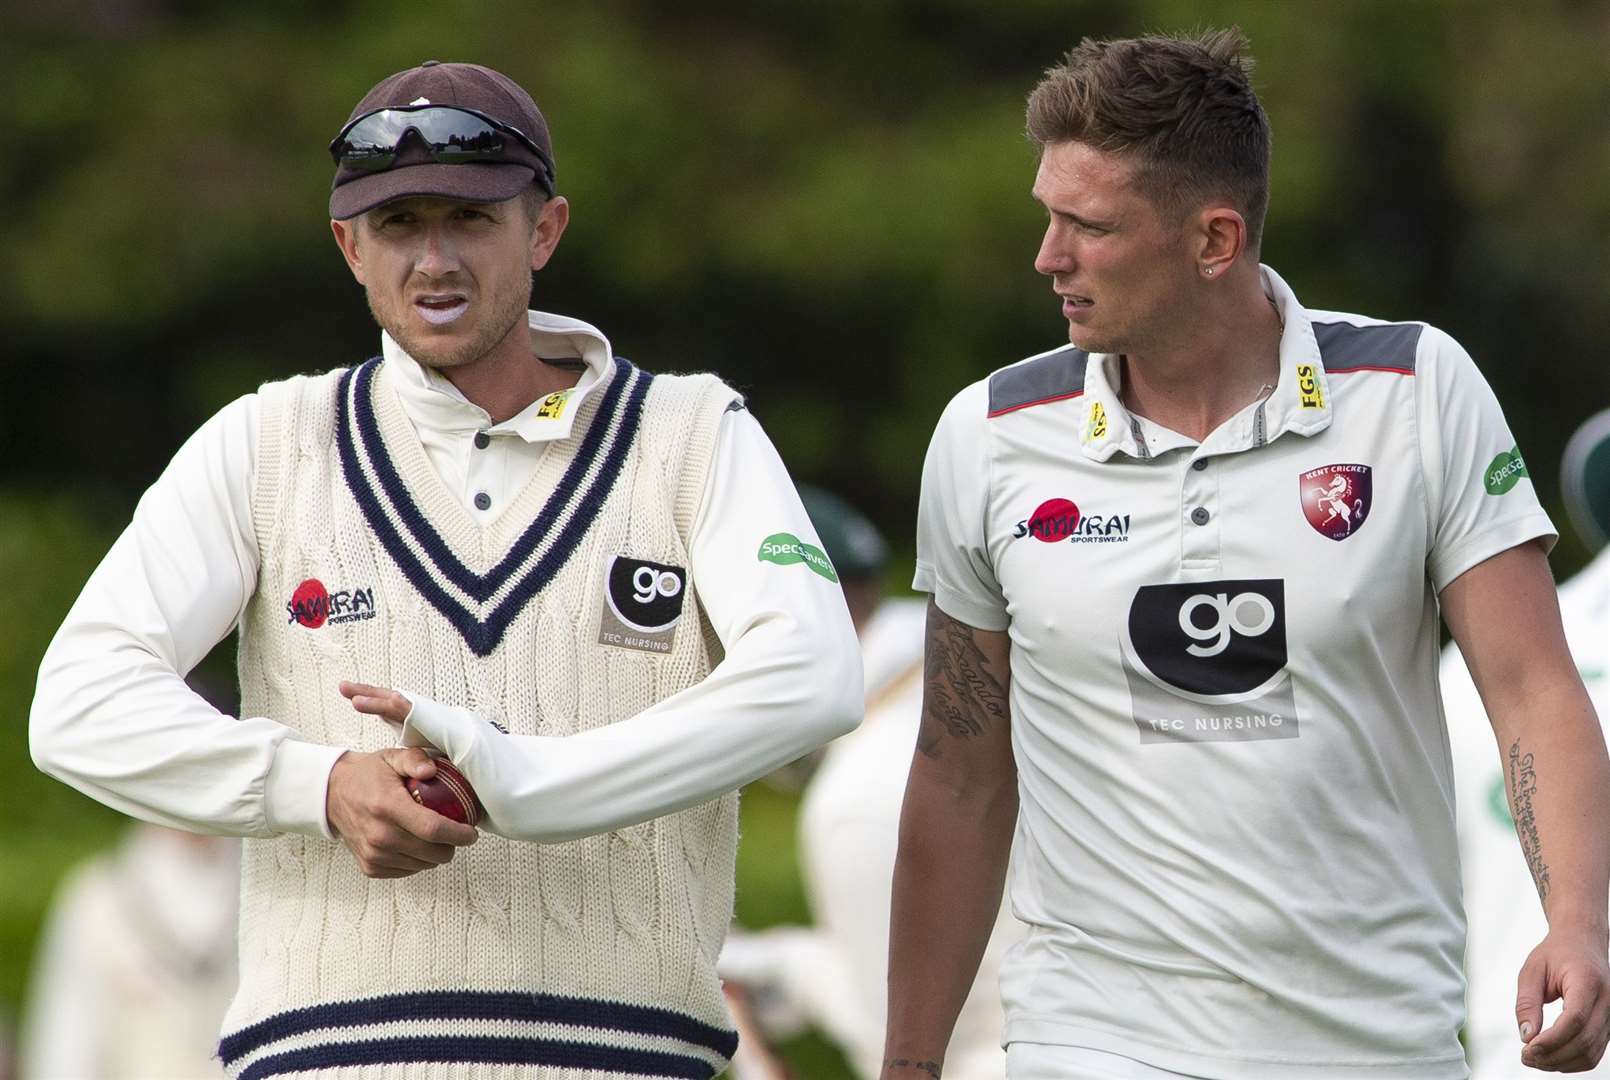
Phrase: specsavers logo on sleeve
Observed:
(1504, 472)
(786, 549)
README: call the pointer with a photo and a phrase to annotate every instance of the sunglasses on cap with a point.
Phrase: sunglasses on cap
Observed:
(452, 134)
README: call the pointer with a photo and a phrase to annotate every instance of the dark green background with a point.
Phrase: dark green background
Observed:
(826, 202)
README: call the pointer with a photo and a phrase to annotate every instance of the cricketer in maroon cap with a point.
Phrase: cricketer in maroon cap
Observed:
(553, 554)
(445, 248)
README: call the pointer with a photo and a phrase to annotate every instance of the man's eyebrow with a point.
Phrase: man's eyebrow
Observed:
(1077, 219)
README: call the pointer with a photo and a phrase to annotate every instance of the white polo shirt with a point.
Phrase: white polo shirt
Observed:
(1235, 847)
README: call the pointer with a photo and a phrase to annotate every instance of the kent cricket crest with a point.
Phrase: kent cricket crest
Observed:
(1336, 499)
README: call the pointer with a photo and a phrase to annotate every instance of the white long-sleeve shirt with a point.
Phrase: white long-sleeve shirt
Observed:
(113, 717)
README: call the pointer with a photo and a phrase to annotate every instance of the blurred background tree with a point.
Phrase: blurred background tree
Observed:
(827, 203)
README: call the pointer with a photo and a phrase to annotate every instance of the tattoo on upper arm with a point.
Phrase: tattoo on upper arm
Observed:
(1522, 787)
(927, 1068)
(963, 695)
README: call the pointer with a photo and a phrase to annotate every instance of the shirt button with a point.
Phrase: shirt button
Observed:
(1199, 515)
(482, 440)
(1199, 464)
(483, 501)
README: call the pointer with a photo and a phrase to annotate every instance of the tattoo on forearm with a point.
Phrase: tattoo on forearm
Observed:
(1522, 787)
(927, 1068)
(963, 696)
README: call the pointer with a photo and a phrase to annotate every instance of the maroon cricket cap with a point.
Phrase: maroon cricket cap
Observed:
(414, 173)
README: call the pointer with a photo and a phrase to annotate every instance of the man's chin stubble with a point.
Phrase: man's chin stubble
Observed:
(424, 354)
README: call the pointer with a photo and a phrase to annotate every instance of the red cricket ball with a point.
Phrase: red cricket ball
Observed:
(447, 793)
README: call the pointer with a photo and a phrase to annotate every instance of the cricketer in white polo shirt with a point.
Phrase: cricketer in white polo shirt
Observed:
(1186, 575)
(1235, 840)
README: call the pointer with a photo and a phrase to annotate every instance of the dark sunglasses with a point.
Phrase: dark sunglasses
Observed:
(453, 135)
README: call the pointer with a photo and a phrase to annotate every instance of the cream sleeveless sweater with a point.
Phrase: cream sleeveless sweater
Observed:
(590, 958)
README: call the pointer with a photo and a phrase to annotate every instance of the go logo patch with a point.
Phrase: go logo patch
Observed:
(1504, 472)
(642, 604)
(1206, 662)
(786, 549)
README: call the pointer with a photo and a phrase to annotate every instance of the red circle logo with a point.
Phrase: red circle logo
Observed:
(310, 603)
(1054, 520)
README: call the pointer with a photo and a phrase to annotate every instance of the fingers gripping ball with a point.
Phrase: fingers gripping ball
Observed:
(447, 793)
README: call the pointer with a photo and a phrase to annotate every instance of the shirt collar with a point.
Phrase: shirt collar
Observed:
(1299, 403)
(432, 401)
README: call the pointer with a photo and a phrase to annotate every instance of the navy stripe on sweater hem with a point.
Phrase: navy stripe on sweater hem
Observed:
(489, 1050)
(446, 1005)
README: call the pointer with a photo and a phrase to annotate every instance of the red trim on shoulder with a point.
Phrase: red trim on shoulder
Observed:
(1031, 404)
(1368, 367)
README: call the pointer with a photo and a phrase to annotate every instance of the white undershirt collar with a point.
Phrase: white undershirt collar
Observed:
(432, 401)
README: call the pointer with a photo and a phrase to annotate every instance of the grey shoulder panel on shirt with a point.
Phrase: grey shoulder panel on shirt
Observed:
(1386, 346)
(1051, 377)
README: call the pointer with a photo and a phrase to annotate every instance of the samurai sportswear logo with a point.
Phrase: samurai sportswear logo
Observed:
(1206, 662)
(785, 549)
(313, 605)
(1056, 520)
(1504, 472)
(1336, 498)
(642, 604)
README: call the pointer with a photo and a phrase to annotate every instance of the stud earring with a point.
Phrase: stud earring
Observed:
(1208, 270)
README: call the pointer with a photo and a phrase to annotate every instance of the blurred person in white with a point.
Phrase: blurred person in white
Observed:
(137, 962)
(1505, 919)
(833, 975)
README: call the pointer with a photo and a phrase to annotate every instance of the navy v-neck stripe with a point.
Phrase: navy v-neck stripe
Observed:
(355, 408)
(479, 587)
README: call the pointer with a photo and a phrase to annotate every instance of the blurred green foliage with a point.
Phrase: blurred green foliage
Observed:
(828, 203)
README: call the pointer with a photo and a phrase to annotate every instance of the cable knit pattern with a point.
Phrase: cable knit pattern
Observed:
(565, 961)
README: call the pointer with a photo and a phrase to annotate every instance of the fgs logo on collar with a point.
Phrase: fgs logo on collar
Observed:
(553, 406)
(642, 604)
(1309, 395)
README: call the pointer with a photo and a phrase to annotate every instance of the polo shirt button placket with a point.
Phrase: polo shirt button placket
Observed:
(1199, 546)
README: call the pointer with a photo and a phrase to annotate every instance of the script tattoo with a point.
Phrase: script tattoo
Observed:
(962, 696)
(1522, 786)
(927, 1068)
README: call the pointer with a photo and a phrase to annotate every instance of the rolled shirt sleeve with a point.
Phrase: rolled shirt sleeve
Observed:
(790, 680)
(1479, 492)
(953, 557)
(112, 715)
